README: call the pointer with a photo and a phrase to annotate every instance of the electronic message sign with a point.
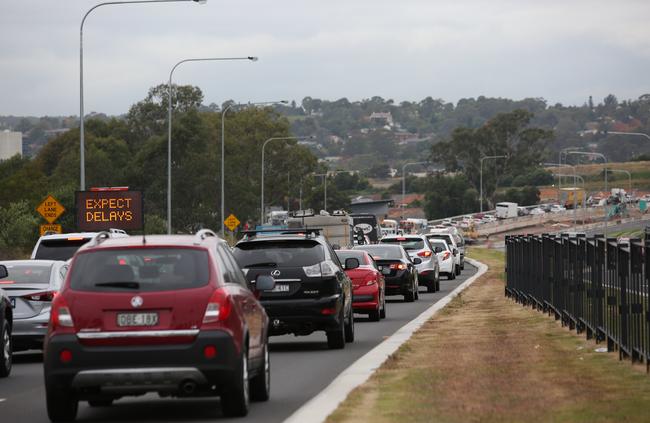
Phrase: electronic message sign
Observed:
(104, 208)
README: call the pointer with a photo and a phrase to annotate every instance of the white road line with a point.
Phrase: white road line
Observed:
(322, 405)
(3, 399)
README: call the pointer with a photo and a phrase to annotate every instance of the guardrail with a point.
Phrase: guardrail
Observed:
(593, 285)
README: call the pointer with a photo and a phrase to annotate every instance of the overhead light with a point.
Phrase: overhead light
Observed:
(253, 58)
(200, 1)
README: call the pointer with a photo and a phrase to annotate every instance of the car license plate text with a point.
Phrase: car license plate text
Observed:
(281, 287)
(386, 270)
(137, 319)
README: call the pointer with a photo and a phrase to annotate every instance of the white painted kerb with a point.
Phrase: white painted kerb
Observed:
(322, 405)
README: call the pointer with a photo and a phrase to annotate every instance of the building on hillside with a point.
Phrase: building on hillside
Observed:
(11, 143)
(382, 118)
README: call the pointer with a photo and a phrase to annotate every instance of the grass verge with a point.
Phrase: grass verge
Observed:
(485, 358)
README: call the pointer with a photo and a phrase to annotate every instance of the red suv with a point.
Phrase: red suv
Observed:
(166, 314)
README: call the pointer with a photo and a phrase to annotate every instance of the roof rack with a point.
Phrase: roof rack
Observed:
(292, 231)
(204, 233)
(99, 238)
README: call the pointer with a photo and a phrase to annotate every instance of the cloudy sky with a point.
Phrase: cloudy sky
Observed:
(561, 50)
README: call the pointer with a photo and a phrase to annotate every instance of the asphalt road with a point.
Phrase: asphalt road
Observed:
(300, 368)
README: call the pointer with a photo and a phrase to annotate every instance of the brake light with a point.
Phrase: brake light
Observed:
(6, 282)
(399, 266)
(446, 256)
(218, 308)
(75, 238)
(371, 279)
(60, 316)
(40, 296)
(424, 254)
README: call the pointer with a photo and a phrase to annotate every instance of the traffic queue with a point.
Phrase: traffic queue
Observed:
(191, 316)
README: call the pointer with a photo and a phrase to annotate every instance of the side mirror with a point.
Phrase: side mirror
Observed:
(264, 283)
(417, 260)
(438, 250)
(3, 271)
(351, 263)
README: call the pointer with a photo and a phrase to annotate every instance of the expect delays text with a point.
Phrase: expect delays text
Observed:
(108, 210)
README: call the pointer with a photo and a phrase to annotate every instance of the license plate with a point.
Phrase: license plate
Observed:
(13, 303)
(386, 270)
(280, 288)
(137, 319)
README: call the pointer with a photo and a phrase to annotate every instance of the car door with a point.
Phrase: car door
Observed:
(344, 281)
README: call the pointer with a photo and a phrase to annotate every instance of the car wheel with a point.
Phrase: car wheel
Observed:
(451, 276)
(431, 287)
(349, 328)
(375, 315)
(100, 402)
(382, 313)
(5, 348)
(409, 296)
(336, 338)
(457, 270)
(235, 401)
(261, 384)
(62, 406)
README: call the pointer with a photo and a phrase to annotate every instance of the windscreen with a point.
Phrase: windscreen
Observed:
(59, 249)
(446, 237)
(344, 255)
(438, 243)
(140, 269)
(278, 253)
(407, 243)
(27, 273)
(382, 252)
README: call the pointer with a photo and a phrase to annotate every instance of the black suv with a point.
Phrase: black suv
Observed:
(312, 292)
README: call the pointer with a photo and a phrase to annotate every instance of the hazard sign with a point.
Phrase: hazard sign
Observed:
(232, 222)
(50, 209)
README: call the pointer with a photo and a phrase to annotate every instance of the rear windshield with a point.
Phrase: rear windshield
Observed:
(59, 249)
(380, 252)
(446, 237)
(28, 273)
(140, 269)
(344, 255)
(439, 243)
(290, 253)
(407, 243)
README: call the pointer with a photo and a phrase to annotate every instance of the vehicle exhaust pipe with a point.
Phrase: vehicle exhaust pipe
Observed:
(188, 387)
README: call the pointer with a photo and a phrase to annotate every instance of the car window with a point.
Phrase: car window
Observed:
(36, 273)
(359, 255)
(161, 269)
(59, 249)
(439, 243)
(279, 253)
(407, 243)
(383, 252)
(446, 237)
(234, 272)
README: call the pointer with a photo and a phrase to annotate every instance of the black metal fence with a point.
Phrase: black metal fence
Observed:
(593, 285)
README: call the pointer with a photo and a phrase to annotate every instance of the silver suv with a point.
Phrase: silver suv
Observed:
(419, 246)
(63, 246)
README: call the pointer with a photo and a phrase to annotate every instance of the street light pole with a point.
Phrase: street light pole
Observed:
(262, 179)
(324, 175)
(223, 154)
(586, 153)
(481, 177)
(82, 135)
(169, 127)
(404, 181)
(575, 197)
(639, 134)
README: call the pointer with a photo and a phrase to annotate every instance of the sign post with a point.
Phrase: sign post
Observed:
(101, 209)
(232, 222)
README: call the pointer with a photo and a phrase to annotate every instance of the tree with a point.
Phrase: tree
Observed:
(18, 226)
(449, 196)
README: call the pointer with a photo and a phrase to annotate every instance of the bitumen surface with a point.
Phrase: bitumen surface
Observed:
(300, 368)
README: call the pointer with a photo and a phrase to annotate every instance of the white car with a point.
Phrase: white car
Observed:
(445, 257)
(452, 240)
(63, 246)
(556, 208)
(537, 211)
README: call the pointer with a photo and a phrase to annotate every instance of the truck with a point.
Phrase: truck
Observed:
(506, 210)
(337, 227)
(367, 223)
(571, 197)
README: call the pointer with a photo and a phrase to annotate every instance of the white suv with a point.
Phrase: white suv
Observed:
(452, 240)
(63, 246)
(418, 246)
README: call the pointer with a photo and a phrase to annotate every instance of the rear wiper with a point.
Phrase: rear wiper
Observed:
(129, 285)
(264, 264)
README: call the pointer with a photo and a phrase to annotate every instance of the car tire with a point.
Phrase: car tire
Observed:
(100, 402)
(451, 275)
(375, 315)
(409, 296)
(457, 270)
(260, 386)
(382, 312)
(349, 328)
(6, 351)
(431, 287)
(336, 338)
(62, 406)
(235, 401)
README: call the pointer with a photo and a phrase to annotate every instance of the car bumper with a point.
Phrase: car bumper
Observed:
(398, 284)
(29, 333)
(303, 316)
(366, 298)
(133, 370)
(447, 266)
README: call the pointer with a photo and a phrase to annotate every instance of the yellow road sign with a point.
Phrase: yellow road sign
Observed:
(51, 228)
(50, 209)
(232, 222)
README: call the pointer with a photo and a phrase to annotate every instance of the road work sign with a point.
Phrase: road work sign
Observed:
(50, 209)
(232, 222)
(106, 208)
(50, 228)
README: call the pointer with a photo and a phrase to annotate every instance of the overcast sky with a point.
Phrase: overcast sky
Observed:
(561, 50)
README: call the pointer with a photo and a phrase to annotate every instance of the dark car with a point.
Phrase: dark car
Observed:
(6, 321)
(398, 269)
(166, 314)
(312, 292)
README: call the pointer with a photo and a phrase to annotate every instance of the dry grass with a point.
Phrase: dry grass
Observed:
(488, 359)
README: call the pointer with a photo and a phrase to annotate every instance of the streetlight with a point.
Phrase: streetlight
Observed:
(587, 153)
(169, 127)
(82, 160)
(262, 181)
(336, 172)
(564, 151)
(575, 197)
(481, 183)
(404, 181)
(639, 134)
(223, 143)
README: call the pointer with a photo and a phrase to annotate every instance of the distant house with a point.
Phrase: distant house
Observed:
(11, 143)
(382, 118)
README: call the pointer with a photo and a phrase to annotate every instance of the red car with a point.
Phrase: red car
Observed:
(167, 314)
(368, 285)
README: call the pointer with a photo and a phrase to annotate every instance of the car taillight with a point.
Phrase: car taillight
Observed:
(371, 279)
(218, 308)
(446, 256)
(424, 254)
(399, 266)
(324, 269)
(40, 296)
(60, 316)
